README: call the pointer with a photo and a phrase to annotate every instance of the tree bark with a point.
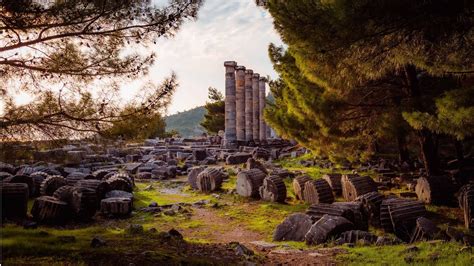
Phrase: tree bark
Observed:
(459, 151)
(428, 149)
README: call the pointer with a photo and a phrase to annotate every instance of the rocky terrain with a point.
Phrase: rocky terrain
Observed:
(191, 202)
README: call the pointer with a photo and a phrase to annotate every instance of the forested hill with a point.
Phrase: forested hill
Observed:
(187, 122)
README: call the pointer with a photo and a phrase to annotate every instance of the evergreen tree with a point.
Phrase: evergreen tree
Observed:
(373, 55)
(214, 119)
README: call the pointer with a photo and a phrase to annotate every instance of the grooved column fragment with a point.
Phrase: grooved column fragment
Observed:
(262, 126)
(230, 112)
(248, 105)
(256, 106)
(240, 102)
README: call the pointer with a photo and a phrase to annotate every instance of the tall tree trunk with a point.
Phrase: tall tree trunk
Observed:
(428, 148)
(459, 151)
(403, 154)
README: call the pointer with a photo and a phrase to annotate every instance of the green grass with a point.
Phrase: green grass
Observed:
(428, 254)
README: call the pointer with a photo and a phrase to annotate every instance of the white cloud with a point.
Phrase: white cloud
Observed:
(235, 30)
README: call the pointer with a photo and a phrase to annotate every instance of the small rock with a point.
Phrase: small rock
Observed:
(262, 245)
(30, 225)
(201, 203)
(176, 207)
(151, 209)
(316, 254)
(293, 228)
(241, 250)
(153, 204)
(98, 242)
(134, 229)
(217, 196)
(170, 212)
(175, 233)
(387, 241)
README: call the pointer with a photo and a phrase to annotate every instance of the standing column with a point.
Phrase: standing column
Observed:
(263, 126)
(230, 136)
(248, 105)
(256, 106)
(240, 102)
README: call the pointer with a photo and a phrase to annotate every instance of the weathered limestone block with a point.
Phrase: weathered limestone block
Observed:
(14, 200)
(117, 207)
(193, 174)
(273, 189)
(435, 190)
(51, 183)
(357, 236)
(326, 227)
(49, 210)
(293, 228)
(334, 181)
(354, 186)
(371, 206)
(318, 191)
(299, 185)
(238, 158)
(249, 183)
(425, 230)
(210, 180)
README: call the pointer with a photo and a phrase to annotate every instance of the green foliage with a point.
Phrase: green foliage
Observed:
(454, 115)
(137, 126)
(351, 68)
(214, 119)
(187, 122)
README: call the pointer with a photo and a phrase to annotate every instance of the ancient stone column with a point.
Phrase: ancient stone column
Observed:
(248, 105)
(262, 96)
(256, 106)
(240, 102)
(230, 136)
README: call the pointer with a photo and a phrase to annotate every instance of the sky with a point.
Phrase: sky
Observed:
(226, 30)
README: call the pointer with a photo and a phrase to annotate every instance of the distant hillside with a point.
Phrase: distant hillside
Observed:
(187, 122)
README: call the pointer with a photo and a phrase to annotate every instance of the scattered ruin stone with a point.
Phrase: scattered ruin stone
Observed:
(298, 185)
(38, 178)
(358, 217)
(293, 228)
(117, 183)
(100, 174)
(199, 154)
(334, 181)
(49, 210)
(64, 193)
(51, 183)
(26, 170)
(209, 180)
(73, 178)
(326, 227)
(134, 229)
(354, 186)
(119, 194)
(193, 174)
(84, 202)
(116, 207)
(260, 153)
(24, 179)
(356, 236)
(425, 230)
(399, 216)
(318, 191)
(101, 187)
(249, 183)
(273, 189)
(14, 200)
(254, 164)
(241, 250)
(466, 203)
(98, 242)
(238, 158)
(371, 206)
(349, 210)
(387, 241)
(436, 190)
(281, 172)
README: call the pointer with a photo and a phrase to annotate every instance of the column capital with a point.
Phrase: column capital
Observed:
(263, 79)
(240, 68)
(256, 75)
(230, 64)
(249, 71)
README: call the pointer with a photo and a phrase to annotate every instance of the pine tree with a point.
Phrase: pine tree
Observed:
(358, 51)
(214, 119)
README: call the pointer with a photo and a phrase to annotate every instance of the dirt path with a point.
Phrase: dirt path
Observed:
(221, 230)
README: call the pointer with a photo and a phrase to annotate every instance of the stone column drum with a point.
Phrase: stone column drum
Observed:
(248, 105)
(262, 126)
(230, 136)
(256, 106)
(240, 102)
